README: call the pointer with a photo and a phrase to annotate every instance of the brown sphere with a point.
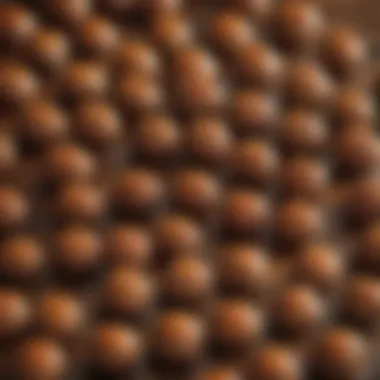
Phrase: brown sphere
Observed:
(128, 246)
(320, 266)
(209, 141)
(69, 163)
(9, 153)
(176, 234)
(187, 281)
(138, 56)
(196, 191)
(299, 222)
(60, 314)
(254, 112)
(255, 161)
(219, 372)
(49, 51)
(17, 25)
(361, 303)
(340, 354)
(299, 25)
(308, 85)
(246, 212)
(356, 150)
(243, 269)
(299, 313)
(138, 92)
(78, 202)
(15, 312)
(116, 347)
(158, 138)
(77, 249)
(17, 84)
(274, 362)
(22, 257)
(353, 106)
(259, 10)
(85, 79)
(97, 124)
(14, 208)
(369, 249)
(97, 36)
(171, 30)
(177, 337)
(344, 52)
(260, 65)
(305, 178)
(139, 191)
(128, 293)
(236, 325)
(230, 31)
(43, 123)
(304, 132)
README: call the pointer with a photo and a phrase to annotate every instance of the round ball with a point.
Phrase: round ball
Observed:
(369, 248)
(14, 208)
(219, 372)
(9, 153)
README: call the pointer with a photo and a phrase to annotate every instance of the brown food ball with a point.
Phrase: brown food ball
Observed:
(41, 359)
(308, 85)
(129, 246)
(187, 282)
(178, 337)
(60, 314)
(85, 79)
(49, 50)
(255, 161)
(196, 191)
(259, 10)
(22, 257)
(69, 163)
(77, 249)
(236, 325)
(340, 354)
(128, 293)
(246, 212)
(15, 312)
(209, 141)
(357, 150)
(140, 57)
(299, 313)
(254, 112)
(17, 84)
(344, 51)
(299, 222)
(274, 362)
(176, 234)
(305, 178)
(219, 372)
(321, 266)
(43, 123)
(304, 132)
(299, 25)
(78, 202)
(97, 36)
(157, 138)
(14, 208)
(361, 304)
(230, 31)
(244, 270)
(140, 93)
(116, 348)
(369, 249)
(139, 191)
(260, 65)
(9, 154)
(17, 24)
(353, 106)
(97, 123)
(171, 30)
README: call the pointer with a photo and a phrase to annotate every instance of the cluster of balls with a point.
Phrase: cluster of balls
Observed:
(186, 187)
